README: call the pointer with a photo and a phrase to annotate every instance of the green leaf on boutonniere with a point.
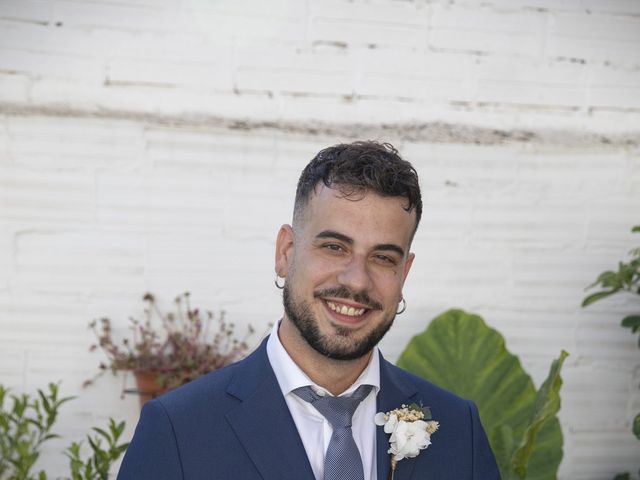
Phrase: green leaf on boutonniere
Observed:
(427, 413)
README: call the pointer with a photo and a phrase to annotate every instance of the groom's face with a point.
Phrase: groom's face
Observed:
(345, 262)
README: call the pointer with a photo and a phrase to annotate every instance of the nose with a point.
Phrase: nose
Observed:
(355, 275)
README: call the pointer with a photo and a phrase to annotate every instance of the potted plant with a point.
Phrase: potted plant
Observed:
(167, 350)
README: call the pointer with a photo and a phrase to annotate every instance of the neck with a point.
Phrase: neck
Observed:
(335, 376)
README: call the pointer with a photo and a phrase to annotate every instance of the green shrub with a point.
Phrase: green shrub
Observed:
(626, 279)
(97, 466)
(26, 423)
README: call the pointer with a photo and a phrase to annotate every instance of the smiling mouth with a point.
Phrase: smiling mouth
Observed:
(345, 309)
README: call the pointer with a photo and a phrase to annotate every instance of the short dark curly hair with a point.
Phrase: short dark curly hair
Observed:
(365, 166)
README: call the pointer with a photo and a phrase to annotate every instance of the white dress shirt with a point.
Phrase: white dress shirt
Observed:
(313, 428)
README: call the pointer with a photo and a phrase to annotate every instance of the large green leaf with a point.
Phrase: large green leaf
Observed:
(459, 352)
(546, 406)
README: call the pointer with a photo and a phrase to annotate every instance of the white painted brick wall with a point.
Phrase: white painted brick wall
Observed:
(155, 145)
(587, 36)
(474, 28)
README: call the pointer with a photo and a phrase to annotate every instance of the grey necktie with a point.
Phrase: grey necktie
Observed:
(342, 460)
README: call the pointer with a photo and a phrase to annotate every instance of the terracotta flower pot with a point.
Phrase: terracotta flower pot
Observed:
(148, 387)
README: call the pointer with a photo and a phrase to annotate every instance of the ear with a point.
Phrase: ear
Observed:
(407, 265)
(284, 250)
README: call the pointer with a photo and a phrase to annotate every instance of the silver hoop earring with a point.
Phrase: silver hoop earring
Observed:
(278, 286)
(404, 307)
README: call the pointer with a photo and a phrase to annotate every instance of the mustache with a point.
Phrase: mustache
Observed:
(343, 292)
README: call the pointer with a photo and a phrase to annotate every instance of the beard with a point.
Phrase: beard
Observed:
(342, 345)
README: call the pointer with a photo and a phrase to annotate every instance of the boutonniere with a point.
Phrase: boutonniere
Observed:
(410, 427)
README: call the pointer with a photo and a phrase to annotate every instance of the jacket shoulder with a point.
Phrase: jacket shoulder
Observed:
(216, 388)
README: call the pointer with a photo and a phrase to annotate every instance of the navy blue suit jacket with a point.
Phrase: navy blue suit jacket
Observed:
(234, 424)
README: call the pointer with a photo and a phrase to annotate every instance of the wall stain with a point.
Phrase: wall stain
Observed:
(429, 132)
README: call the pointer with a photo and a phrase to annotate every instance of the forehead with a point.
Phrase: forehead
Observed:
(362, 215)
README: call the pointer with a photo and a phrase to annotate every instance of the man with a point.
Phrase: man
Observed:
(274, 415)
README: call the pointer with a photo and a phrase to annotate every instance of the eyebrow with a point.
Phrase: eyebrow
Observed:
(349, 241)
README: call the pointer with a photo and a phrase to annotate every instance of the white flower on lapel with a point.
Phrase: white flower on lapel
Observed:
(408, 438)
(409, 431)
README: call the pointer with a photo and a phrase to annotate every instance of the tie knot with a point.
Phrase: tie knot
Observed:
(337, 410)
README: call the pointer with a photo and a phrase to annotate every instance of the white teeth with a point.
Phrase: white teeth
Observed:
(344, 310)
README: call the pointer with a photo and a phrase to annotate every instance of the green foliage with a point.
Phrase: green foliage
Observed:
(97, 466)
(546, 406)
(459, 352)
(25, 424)
(625, 279)
(632, 322)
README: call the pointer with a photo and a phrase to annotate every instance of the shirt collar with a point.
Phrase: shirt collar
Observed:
(290, 376)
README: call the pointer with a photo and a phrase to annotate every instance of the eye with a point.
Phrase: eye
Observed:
(334, 247)
(386, 259)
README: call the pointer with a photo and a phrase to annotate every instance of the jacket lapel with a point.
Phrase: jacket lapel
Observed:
(263, 423)
(393, 394)
(264, 426)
